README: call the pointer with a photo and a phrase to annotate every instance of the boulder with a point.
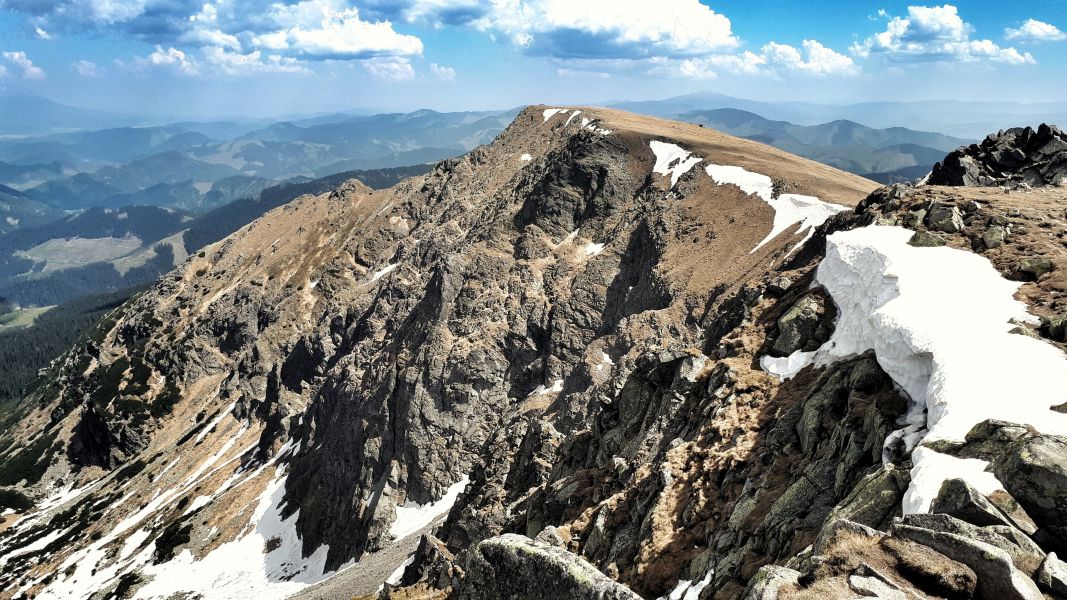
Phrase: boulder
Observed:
(1033, 470)
(769, 581)
(925, 239)
(1031, 269)
(994, 236)
(1013, 158)
(1052, 576)
(1024, 553)
(806, 325)
(943, 217)
(930, 570)
(1056, 327)
(998, 579)
(513, 566)
(958, 499)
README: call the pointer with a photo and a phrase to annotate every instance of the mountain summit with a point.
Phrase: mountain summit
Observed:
(606, 356)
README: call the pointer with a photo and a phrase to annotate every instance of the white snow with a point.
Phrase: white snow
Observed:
(525, 158)
(687, 590)
(541, 390)
(672, 160)
(133, 542)
(571, 118)
(551, 112)
(570, 236)
(384, 271)
(240, 569)
(593, 249)
(938, 321)
(394, 577)
(211, 426)
(786, 367)
(411, 517)
(807, 212)
(605, 361)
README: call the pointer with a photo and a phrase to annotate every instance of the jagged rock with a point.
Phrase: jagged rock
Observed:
(514, 566)
(998, 579)
(876, 587)
(1024, 553)
(806, 325)
(1033, 470)
(779, 285)
(432, 563)
(1052, 576)
(942, 217)
(960, 500)
(994, 236)
(550, 536)
(875, 500)
(925, 239)
(769, 581)
(1015, 157)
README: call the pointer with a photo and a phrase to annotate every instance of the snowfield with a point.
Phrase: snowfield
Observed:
(938, 321)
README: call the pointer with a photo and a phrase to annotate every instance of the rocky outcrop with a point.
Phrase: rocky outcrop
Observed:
(1018, 156)
(514, 566)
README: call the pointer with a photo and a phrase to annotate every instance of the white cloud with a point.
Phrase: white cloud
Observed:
(325, 30)
(3, 71)
(582, 73)
(169, 58)
(234, 63)
(20, 60)
(390, 69)
(935, 33)
(607, 28)
(86, 68)
(1033, 31)
(441, 72)
(813, 58)
(42, 34)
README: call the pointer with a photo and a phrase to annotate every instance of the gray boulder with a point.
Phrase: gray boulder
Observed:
(994, 236)
(942, 217)
(768, 582)
(958, 499)
(925, 239)
(1034, 471)
(1052, 576)
(998, 579)
(806, 325)
(514, 567)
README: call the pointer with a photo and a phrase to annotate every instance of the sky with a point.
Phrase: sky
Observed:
(215, 58)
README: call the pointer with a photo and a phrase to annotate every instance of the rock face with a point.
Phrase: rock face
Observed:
(514, 566)
(1014, 157)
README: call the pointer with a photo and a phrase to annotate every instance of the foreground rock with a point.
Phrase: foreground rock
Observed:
(514, 566)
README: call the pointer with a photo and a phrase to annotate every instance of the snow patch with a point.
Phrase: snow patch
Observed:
(525, 158)
(571, 118)
(211, 426)
(593, 249)
(541, 390)
(551, 112)
(938, 321)
(807, 212)
(786, 367)
(672, 160)
(605, 361)
(411, 517)
(687, 590)
(384, 271)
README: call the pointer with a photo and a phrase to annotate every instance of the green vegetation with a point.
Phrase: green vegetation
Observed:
(24, 352)
(21, 318)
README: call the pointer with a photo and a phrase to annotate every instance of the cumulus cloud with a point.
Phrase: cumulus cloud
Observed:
(24, 64)
(165, 58)
(235, 63)
(86, 68)
(774, 59)
(323, 30)
(1033, 31)
(42, 34)
(390, 69)
(812, 58)
(935, 34)
(610, 28)
(441, 72)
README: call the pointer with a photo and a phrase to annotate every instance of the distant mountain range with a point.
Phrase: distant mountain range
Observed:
(965, 119)
(885, 155)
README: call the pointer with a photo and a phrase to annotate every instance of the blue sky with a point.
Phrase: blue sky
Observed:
(202, 58)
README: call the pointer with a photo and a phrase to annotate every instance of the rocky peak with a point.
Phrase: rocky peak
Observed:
(1020, 156)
